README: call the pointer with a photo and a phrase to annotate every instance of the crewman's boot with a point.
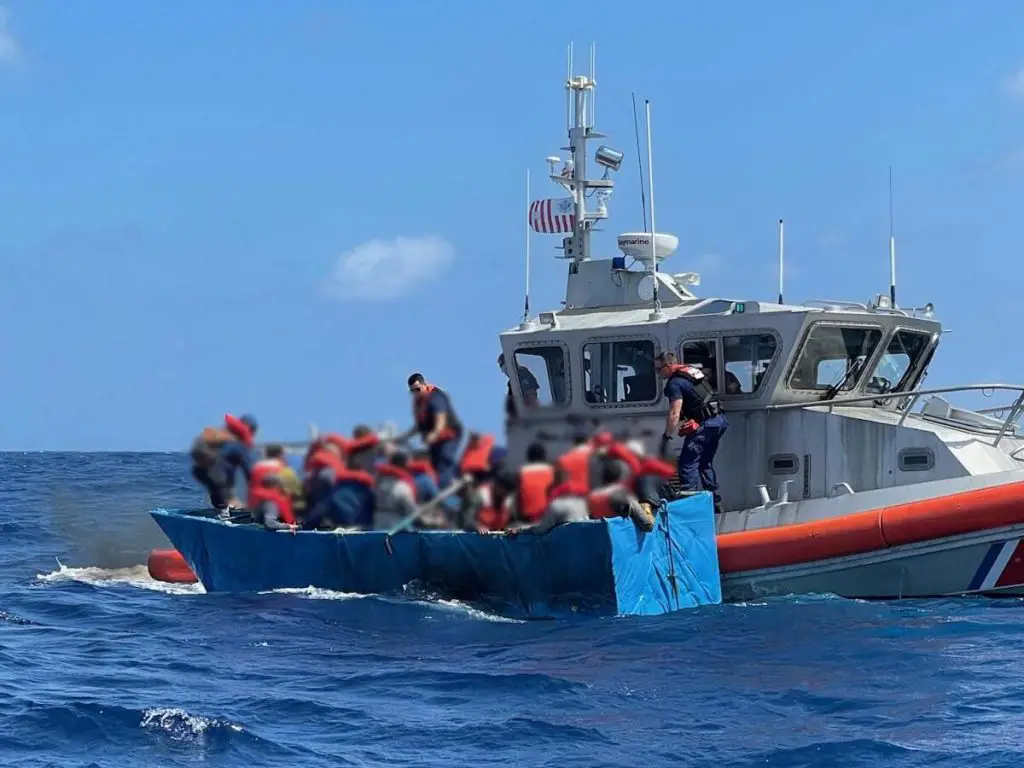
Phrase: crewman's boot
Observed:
(642, 514)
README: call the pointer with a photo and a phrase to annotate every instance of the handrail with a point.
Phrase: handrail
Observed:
(1015, 410)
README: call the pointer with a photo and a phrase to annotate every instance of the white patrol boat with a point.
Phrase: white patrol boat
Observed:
(838, 473)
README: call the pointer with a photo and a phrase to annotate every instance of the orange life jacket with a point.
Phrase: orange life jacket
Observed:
(261, 493)
(357, 444)
(422, 467)
(576, 466)
(239, 429)
(333, 438)
(422, 416)
(491, 516)
(264, 468)
(534, 484)
(599, 502)
(476, 458)
(401, 475)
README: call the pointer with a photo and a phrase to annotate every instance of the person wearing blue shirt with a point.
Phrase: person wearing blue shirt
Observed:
(438, 426)
(695, 414)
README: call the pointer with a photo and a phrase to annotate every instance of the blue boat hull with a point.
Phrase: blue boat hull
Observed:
(605, 567)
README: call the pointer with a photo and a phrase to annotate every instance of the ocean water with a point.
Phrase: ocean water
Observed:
(101, 666)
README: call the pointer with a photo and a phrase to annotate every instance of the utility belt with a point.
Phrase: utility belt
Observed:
(706, 412)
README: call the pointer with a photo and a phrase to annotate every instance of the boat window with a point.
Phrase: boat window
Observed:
(784, 464)
(620, 372)
(702, 353)
(900, 357)
(747, 359)
(832, 353)
(916, 459)
(542, 378)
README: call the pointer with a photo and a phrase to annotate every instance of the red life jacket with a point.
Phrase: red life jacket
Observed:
(476, 459)
(599, 502)
(401, 475)
(422, 416)
(569, 488)
(325, 459)
(534, 484)
(261, 493)
(342, 442)
(239, 429)
(264, 468)
(491, 516)
(357, 444)
(422, 467)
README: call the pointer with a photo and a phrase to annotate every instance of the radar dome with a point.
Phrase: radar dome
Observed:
(638, 245)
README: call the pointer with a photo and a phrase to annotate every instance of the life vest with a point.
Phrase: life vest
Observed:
(264, 468)
(239, 429)
(357, 444)
(425, 421)
(401, 475)
(575, 466)
(534, 484)
(325, 459)
(491, 516)
(476, 458)
(707, 400)
(569, 488)
(340, 441)
(261, 493)
(619, 451)
(355, 476)
(599, 502)
(422, 467)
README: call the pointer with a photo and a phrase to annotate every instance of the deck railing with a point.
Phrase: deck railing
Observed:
(1013, 412)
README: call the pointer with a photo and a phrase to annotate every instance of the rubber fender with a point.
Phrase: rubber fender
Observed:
(801, 542)
(168, 565)
(967, 512)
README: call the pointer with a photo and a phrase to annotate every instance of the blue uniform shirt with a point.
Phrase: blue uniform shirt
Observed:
(437, 403)
(680, 388)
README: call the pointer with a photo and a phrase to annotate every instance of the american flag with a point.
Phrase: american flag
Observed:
(551, 216)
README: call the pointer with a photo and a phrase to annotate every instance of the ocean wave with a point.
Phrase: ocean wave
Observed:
(135, 576)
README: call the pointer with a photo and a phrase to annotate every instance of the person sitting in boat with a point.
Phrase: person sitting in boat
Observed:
(695, 413)
(270, 505)
(337, 496)
(217, 455)
(394, 492)
(437, 425)
(488, 484)
(289, 477)
(363, 450)
(529, 499)
(634, 486)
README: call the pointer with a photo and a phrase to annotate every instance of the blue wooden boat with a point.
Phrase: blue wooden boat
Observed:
(601, 567)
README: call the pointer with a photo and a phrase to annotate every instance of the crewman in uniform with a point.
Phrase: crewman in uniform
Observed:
(695, 414)
(527, 383)
(438, 426)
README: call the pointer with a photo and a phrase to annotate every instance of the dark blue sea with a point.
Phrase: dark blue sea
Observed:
(101, 666)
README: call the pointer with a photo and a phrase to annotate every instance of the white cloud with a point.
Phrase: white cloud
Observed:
(10, 52)
(388, 269)
(1013, 85)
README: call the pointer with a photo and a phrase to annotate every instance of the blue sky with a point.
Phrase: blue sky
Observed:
(181, 184)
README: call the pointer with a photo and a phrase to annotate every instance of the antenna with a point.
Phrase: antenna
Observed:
(593, 79)
(640, 163)
(526, 305)
(782, 255)
(892, 250)
(568, 91)
(657, 313)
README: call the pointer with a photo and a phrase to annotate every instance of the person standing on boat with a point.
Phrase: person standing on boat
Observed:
(695, 414)
(217, 455)
(437, 425)
(527, 382)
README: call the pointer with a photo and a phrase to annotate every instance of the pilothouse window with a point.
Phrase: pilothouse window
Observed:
(620, 372)
(833, 356)
(899, 359)
(704, 355)
(542, 378)
(747, 359)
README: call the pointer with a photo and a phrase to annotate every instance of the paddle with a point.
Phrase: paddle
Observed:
(401, 525)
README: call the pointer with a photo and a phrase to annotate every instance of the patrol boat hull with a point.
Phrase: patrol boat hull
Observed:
(605, 567)
(950, 542)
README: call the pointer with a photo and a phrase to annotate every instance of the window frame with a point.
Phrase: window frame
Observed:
(912, 450)
(869, 363)
(716, 337)
(913, 371)
(615, 340)
(517, 392)
(771, 363)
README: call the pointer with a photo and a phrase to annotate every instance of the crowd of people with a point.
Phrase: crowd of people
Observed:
(457, 480)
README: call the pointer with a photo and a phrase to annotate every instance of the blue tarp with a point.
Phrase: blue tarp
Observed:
(604, 567)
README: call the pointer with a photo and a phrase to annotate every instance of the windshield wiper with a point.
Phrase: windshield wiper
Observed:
(853, 370)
